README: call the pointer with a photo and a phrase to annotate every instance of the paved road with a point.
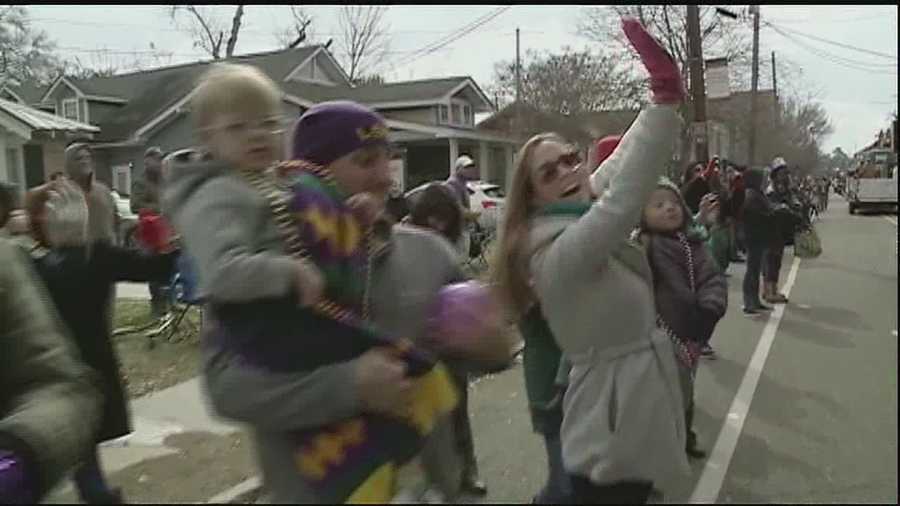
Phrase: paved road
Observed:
(822, 421)
(816, 419)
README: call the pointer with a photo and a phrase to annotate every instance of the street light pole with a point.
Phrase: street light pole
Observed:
(698, 86)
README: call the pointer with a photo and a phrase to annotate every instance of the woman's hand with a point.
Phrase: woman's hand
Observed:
(666, 86)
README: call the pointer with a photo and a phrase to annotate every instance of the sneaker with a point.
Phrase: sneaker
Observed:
(708, 353)
(749, 311)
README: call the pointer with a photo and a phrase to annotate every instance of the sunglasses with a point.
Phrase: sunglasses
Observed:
(551, 171)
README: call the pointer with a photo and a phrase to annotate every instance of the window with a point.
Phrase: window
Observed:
(467, 115)
(12, 166)
(443, 114)
(70, 108)
(122, 179)
(456, 114)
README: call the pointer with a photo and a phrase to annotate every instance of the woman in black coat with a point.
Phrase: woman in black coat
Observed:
(79, 278)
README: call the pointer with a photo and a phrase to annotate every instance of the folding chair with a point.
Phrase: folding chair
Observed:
(183, 296)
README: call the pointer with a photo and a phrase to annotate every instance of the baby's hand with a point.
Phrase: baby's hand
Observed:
(310, 283)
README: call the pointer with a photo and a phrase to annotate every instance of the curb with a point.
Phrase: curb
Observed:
(240, 493)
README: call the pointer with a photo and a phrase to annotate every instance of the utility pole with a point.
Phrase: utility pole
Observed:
(698, 86)
(754, 87)
(518, 87)
(774, 77)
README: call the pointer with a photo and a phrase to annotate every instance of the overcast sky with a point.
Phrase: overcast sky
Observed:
(859, 103)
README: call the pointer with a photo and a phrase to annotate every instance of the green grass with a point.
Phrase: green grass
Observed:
(167, 363)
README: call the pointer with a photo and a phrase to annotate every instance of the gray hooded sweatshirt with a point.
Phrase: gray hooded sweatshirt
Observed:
(622, 412)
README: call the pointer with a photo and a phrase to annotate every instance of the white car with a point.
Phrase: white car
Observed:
(127, 220)
(489, 200)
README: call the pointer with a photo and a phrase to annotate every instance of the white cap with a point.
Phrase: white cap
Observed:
(778, 162)
(463, 161)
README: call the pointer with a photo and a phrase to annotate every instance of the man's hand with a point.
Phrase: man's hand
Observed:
(381, 383)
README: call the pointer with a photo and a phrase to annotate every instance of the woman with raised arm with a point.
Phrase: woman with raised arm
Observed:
(623, 431)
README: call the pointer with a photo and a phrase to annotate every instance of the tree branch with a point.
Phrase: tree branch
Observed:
(235, 28)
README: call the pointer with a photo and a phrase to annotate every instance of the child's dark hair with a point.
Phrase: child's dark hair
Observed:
(437, 202)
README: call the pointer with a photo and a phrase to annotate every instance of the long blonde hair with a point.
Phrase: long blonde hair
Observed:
(510, 272)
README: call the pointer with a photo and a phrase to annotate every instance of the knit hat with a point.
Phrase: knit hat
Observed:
(606, 146)
(330, 130)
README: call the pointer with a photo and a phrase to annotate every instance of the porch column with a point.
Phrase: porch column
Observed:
(454, 154)
(484, 162)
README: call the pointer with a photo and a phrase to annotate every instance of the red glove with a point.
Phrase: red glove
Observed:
(666, 86)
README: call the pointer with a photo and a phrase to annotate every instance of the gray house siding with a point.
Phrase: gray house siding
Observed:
(100, 111)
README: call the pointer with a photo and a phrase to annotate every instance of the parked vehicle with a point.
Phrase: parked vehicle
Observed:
(127, 221)
(874, 183)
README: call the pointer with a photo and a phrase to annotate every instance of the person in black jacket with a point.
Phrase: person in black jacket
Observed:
(79, 276)
(758, 218)
(788, 214)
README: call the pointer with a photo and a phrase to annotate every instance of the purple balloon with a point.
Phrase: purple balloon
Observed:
(462, 314)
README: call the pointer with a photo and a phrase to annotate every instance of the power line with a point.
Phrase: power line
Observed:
(431, 48)
(839, 44)
(835, 59)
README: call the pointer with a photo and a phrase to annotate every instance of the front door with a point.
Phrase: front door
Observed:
(34, 165)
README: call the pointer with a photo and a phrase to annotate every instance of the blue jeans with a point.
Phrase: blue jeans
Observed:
(557, 490)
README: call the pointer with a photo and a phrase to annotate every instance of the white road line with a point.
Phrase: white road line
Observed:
(710, 483)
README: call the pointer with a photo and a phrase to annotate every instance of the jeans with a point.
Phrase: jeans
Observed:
(755, 254)
(557, 490)
(462, 426)
(772, 266)
(89, 480)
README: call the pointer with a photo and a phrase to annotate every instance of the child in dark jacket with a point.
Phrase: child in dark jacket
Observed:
(690, 291)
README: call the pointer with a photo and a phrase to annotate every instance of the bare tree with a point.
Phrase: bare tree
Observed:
(299, 30)
(570, 82)
(26, 54)
(363, 39)
(106, 63)
(208, 29)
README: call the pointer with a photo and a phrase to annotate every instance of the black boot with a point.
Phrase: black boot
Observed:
(692, 450)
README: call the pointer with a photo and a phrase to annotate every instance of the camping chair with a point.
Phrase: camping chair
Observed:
(479, 239)
(183, 296)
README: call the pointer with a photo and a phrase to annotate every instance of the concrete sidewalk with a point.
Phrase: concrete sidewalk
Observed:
(176, 410)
